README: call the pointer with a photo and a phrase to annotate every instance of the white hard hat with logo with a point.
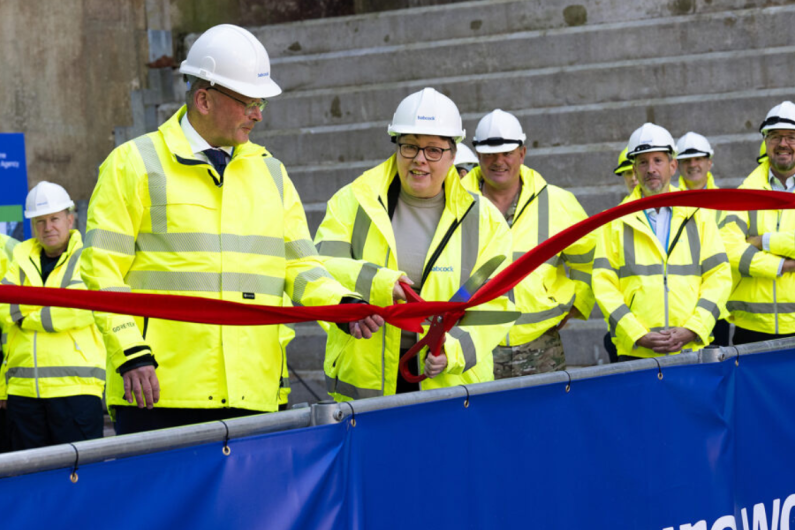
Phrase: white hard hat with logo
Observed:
(46, 198)
(465, 156)
(498, 132)
(782, 116)
(650, 138)
(232, 57)
(692, 145)
(427, 112)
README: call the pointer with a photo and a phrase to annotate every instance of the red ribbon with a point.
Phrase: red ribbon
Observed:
(405, 316)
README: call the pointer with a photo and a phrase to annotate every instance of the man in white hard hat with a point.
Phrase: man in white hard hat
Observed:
(694, 156)
(760, 244)
(535, 211)
(197, 209)
(465, 160)
(661, 276)
(54, 374)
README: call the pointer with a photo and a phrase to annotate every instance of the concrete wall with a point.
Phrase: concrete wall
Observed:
(67, 72)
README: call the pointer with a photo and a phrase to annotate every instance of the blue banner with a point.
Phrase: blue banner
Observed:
(14, 183)
(707, 447)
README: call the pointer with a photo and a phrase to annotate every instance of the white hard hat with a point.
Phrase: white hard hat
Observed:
(782, 116)
(649, 138)
(498, 132)
(428, 112)
(46, 198)
(464, 155)
(692, 145)
(232, 57)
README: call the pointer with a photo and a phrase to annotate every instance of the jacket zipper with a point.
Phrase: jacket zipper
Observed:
(775, 298)
(665, 291)
(36, 363)
(383, 340)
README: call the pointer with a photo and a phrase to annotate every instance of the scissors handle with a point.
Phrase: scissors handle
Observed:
(433, 340)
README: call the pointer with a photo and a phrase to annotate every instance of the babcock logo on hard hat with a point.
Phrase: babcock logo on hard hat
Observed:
(429, 118)
(45, 203)
(263, 74)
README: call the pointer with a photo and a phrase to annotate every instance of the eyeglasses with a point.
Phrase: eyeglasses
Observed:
(432, 154)
(248, 107)
(776, 138)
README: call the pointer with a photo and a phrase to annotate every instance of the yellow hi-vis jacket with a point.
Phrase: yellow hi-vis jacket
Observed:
(358, 244)
(54, 351)
(642, 287)
(547, 295)
(6, 255)
(710, 186)
(761, 300)
(162, 222)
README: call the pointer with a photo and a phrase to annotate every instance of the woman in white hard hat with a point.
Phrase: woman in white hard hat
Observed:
(410, 219)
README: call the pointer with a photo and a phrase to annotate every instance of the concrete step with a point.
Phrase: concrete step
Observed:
(524, 50)
(711, 115)
(467, 19)
(700, 74)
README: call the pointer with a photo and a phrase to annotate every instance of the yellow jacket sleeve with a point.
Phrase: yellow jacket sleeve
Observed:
(307, 282)
(579, 258)
(466, 345)
(114, 215)
(746, 259)
(334, 243)
(608, 257)
(716, 279)
(783, 244)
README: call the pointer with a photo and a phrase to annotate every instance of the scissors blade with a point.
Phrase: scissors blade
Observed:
(478, 278)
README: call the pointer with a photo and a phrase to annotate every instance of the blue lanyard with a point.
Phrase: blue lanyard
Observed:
(654, 228)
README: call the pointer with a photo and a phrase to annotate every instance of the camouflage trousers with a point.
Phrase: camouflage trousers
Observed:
(545, 354)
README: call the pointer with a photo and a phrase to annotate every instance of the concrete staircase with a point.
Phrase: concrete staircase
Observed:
(579, 79)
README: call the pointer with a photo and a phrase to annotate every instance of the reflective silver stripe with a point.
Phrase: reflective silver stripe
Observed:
(695, 245)
(157, 183)
(46, 319)
(203, 282)
(631, 268)
(111, 241)
(300, 248)
(743, 226)
(753, 223)
(6, 282)
(74, 282)
(124, 289)
(761, 307)
(485, 318)
(467, 347)
(346, 389)
(303, 279)
(275, 168)
(579, 258)
(55, 371)
(616, 316)
(713, 261)
(580, 276)
(692, 269)
(541, 316)
(16, 312)
(3, 338)
(205, 242)
(470, 240)
(553, 261)
(543, 215)
(74, 259)
(335, 249)
(11, 243)
(361, 226)
(285, 382)
(710, 306)
(745, 261)
(602, 263)
(364, 282)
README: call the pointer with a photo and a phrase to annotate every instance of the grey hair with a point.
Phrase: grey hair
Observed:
(194, 85)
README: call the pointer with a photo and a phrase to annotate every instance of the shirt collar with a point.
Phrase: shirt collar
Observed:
(197, 143)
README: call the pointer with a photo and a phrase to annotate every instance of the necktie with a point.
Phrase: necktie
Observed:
(217, 159)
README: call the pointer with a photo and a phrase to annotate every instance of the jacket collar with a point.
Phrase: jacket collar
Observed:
(638, 220)
(710, 182)
(532, 183)
(758, 180)
(31, 250)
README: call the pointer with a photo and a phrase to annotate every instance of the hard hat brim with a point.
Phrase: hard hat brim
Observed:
(504, 148)
(47, 211)
(693, 155)
(632, 155)
(264, 88)
(621, 168)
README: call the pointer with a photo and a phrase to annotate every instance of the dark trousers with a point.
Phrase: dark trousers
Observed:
(746, 336)
(721, 332)
(402, 385)
(5, 443)
(130, 420)
(34, 422)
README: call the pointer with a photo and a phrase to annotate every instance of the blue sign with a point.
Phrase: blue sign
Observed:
(14, 183)
(707, 447)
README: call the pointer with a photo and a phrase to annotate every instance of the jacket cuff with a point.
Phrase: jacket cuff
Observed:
(144, 360)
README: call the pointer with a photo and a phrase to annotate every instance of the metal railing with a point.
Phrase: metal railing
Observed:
(100, 450)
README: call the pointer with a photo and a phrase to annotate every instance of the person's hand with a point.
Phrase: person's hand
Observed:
(667, 341)
(397, 290)
(789, 265)
(2, 404)
(755, 241)
(142, 383)
(365, 327)
(574, 313)
(435, 364)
